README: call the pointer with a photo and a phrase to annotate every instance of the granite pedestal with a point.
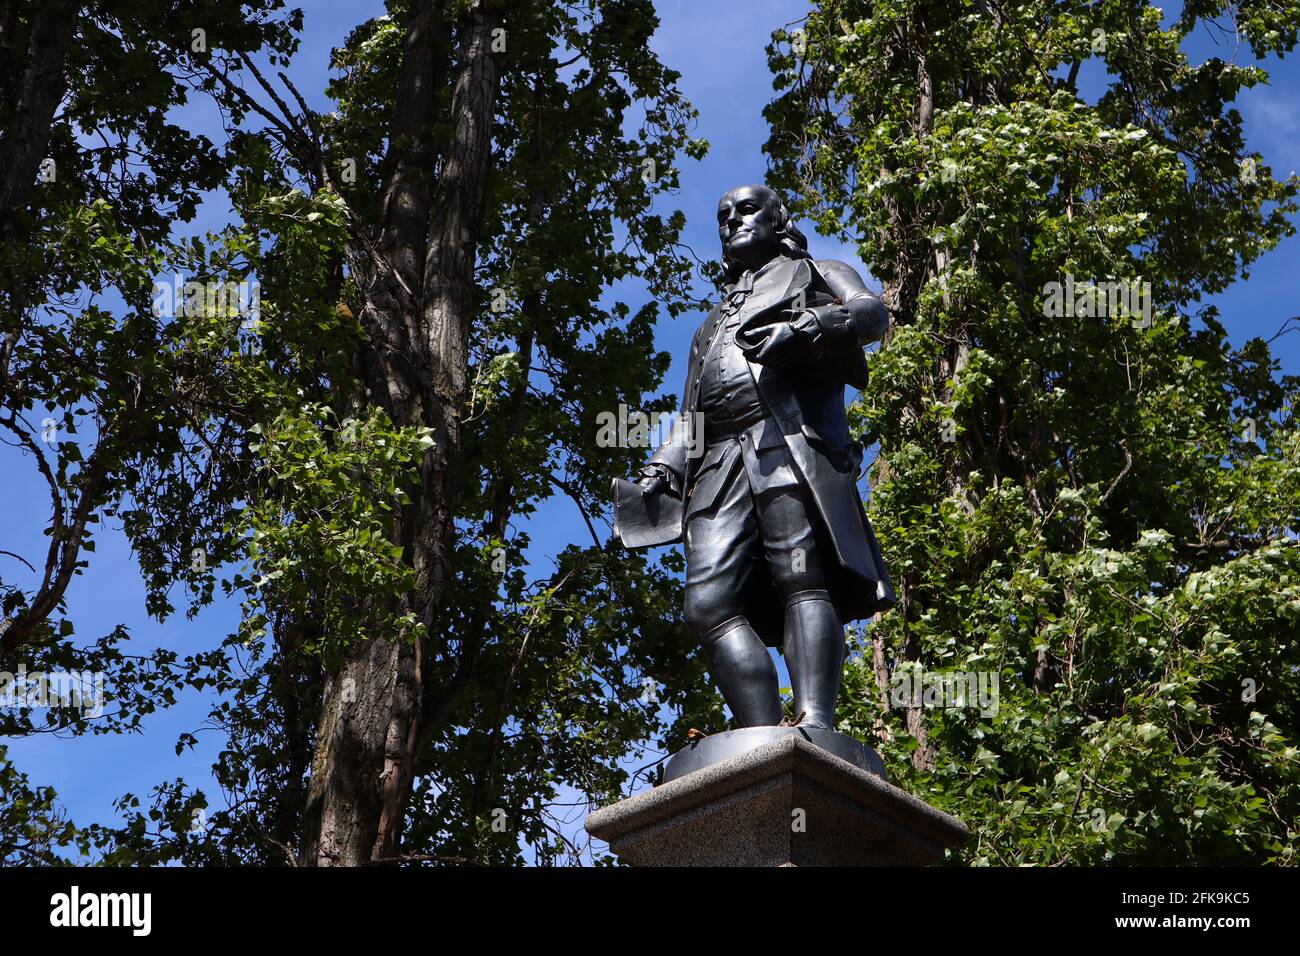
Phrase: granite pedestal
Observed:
(785, 801)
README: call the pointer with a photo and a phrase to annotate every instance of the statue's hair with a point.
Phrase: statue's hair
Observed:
(792, 242)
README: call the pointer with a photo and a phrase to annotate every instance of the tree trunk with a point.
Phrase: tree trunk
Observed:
(39, 72)
(417, 315)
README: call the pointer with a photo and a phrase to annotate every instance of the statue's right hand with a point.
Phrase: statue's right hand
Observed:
(653, 484)
(654, 479)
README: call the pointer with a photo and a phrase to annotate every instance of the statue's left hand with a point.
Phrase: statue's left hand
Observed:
(798, 338)
(779, 345)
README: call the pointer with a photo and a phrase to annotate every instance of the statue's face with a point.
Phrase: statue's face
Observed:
(747, 226)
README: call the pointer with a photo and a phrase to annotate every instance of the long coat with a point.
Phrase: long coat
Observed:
(808, 406)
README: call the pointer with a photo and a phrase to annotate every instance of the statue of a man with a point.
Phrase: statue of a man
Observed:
(778, 549)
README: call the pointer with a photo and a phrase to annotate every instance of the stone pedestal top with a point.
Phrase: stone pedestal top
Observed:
(732, 743)
(784, 803)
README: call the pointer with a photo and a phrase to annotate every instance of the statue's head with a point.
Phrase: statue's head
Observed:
(755, 227)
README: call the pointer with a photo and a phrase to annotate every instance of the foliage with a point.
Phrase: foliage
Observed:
(1096, 505)
(286, 478)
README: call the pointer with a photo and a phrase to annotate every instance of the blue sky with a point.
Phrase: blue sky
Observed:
(719, 49)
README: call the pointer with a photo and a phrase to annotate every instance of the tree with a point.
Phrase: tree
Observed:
(439, 249)
(1083, 490)
(79, 220)
(99, 391)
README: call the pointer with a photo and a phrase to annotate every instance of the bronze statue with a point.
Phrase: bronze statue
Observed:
(778, 549)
